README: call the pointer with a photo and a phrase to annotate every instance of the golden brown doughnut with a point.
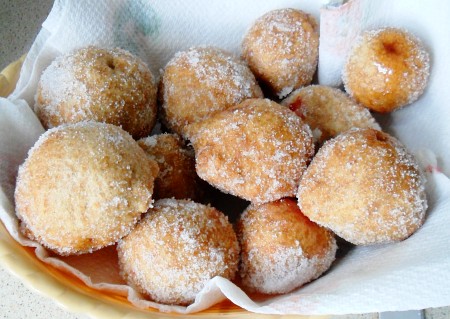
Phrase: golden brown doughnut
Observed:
(201, 81)
(281, 249)
(177, 177)
(176, 249)
(103, 85)
(83, 187)
(257, 150)
(328, 111)
(386, 69)
(282, 50)
(366, 187)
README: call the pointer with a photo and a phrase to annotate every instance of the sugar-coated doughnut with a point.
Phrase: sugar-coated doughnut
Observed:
(257, 150)
(177, 247)
(281, 249)
(328, 111)
(103, 85)
(83, 187)
(282, 50)
(200, 81)
(366, 187)
(386, 69)
(177, 177)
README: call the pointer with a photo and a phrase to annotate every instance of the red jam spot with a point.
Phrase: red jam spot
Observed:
(295, 107)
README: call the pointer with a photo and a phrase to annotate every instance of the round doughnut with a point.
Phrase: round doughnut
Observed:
(176, 249)
(281, 249)
(282, 50)
(200, 81)
(365, 187)
(386, 69)
(328, 111)
(177, 177)
(103, 85)
(83, 186)
(257, 150)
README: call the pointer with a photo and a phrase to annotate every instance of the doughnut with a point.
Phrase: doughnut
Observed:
(177, 247)
(386, 69)
(177, 177)
(256, 150)
(201, 81)
(282, 50)
(328, 111)
(366, 187)
(281, 249)
(95, 84)
(82, 187)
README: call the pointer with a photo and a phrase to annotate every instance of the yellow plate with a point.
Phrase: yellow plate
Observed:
(9, 77)
(70, 292)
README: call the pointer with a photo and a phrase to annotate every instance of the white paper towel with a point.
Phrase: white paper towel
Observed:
(413, 274)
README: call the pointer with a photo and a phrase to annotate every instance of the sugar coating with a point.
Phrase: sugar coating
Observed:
(386, 69)
(176, 249)
(280, 248)
(177, 177)
(281, 48)
(104, 85)
(328, 111)
(257, 150)
(201, 81)
(366, 187)
(83, 186)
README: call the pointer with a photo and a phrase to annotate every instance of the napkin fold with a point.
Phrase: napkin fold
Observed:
(413, 274)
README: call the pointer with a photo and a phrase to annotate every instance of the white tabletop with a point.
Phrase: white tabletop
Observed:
(19, 302)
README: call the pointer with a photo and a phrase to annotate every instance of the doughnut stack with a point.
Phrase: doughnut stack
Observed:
(130, 160)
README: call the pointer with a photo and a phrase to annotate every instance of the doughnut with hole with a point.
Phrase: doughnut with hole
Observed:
(95, 84)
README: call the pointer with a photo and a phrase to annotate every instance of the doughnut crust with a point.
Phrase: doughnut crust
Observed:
(103, 85)
(328, 111)
(365, 187)
(83, 187)
(257, 150)
(282, 50)
(386, 69)
(281, 249)
(201, 81)
(176, 249)
(177, 177)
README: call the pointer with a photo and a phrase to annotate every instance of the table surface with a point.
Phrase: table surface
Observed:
(20, 21)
